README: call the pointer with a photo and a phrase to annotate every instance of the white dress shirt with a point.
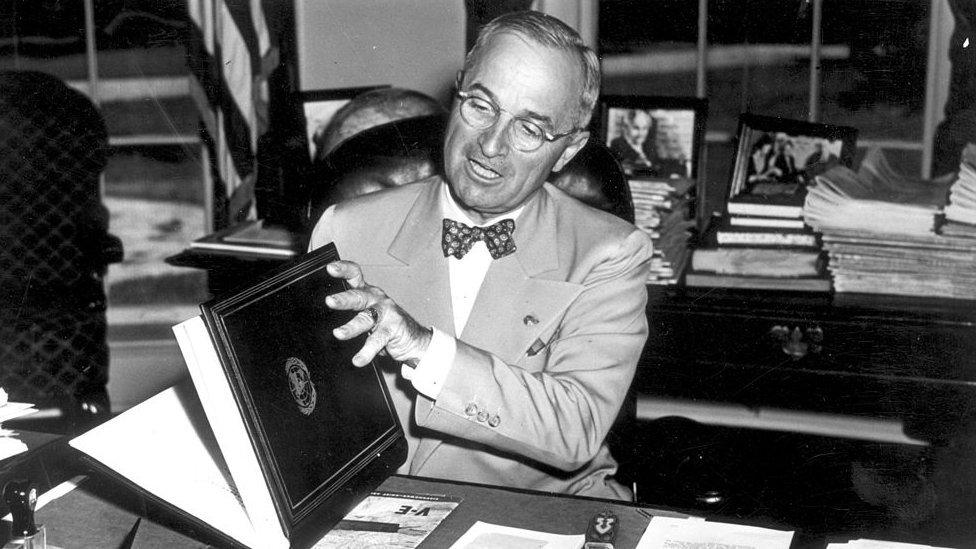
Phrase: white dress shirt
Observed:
(466, 275)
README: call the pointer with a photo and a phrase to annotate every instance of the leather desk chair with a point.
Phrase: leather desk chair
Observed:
(410, 149)
(54, 248)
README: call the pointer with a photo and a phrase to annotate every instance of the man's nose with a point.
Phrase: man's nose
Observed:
(494, 139)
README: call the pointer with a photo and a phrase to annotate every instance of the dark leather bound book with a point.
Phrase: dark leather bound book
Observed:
(303, 435)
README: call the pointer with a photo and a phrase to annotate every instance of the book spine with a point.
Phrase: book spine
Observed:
(766, 238)
(768, 210)
(772, 222)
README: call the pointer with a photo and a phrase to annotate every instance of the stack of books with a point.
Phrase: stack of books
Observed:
(663, 209)
(880, 232)
(732, 254)
(761, 243)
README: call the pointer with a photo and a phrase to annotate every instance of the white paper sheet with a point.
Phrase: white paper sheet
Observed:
(691, 533)
(879, 544)
(484, 535)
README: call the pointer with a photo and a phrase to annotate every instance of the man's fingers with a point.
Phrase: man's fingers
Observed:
(347, 270)
(350, 300)
(361, 323)
(374, 344)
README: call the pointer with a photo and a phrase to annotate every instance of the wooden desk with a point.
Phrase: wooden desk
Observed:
(912, 359)
(101, 514)
(810, 398)
(840, 412)
(40, 463)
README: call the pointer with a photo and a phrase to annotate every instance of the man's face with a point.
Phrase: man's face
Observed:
(638, 128)
(487, 175)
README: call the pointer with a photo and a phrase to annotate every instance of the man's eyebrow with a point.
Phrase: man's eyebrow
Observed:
(537, 117)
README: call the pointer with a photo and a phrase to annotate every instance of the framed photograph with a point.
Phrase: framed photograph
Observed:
(657, 137)
(779, 157)
(320, 106)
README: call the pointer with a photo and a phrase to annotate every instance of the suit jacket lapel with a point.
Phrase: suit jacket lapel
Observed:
(417, 246)
(524, 293)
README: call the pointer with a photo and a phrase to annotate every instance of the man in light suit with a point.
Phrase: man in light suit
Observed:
(516, 334)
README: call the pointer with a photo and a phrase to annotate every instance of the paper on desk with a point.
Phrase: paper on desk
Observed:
(484, 535)
(878, 544)
(13, 410)
(389, 519)
(11, 446)
(666, 532)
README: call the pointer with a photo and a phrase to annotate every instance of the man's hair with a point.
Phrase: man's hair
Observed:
(550, 32)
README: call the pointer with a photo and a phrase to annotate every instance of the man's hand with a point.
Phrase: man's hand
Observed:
(394, 330)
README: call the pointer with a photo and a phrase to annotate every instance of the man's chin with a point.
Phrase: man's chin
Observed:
(476, 201)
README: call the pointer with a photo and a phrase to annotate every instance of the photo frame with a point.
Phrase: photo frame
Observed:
(670, 132)
(654, 136)
(778, 156)
(320, 106)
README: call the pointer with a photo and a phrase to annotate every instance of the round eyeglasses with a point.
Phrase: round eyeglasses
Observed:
(524, 134)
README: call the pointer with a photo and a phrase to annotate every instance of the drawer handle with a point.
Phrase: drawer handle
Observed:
(796, 342)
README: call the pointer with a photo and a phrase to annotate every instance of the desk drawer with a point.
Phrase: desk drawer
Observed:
(863, 346)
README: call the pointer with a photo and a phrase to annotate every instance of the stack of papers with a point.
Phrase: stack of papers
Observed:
(962, 193)
(662, 209)
(928, 265)
(874, 199)
(879, 230)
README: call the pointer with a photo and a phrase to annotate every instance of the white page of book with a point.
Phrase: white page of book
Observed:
(695, 533)
(229, 430)
(158, 446)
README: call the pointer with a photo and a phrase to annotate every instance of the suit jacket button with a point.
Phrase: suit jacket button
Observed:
(471, 409)
(482, 416)
(494, 421)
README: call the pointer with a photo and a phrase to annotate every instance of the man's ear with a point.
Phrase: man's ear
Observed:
(576, 143)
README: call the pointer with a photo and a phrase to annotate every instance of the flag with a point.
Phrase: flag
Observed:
(231, 53)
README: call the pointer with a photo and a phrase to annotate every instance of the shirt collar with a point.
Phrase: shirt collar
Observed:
(451, 210)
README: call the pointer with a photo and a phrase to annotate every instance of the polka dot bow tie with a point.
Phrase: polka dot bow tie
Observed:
(458, 238)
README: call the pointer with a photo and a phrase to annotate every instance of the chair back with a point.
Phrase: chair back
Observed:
(410, 149)
(54, 241)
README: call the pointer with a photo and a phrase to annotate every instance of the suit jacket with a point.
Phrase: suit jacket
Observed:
(550, 348)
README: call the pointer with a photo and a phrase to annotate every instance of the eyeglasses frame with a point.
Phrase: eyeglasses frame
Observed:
(465, 95)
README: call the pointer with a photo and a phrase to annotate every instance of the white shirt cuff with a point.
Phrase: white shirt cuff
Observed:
(431, 372)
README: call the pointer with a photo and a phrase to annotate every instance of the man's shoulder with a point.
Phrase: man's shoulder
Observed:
(381, 202)
(594, 244)
(593, 232)
(576, 215)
